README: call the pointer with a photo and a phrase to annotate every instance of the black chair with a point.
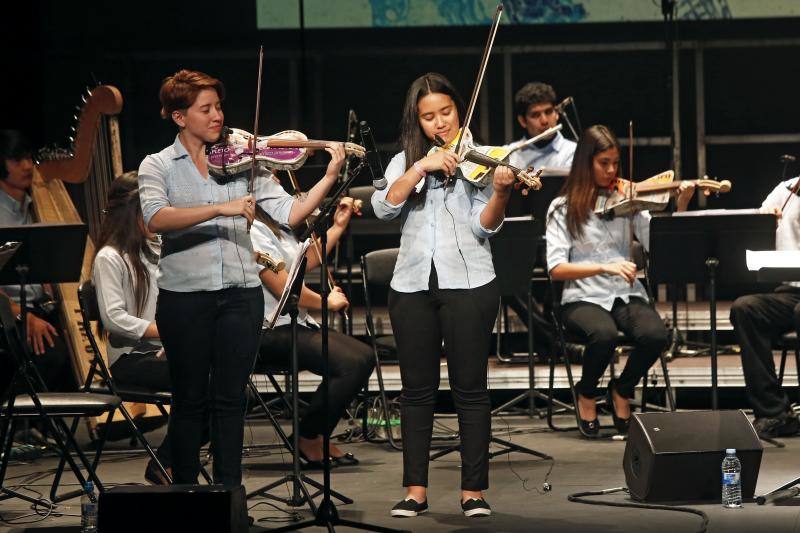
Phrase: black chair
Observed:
(567, 342)
(788, 341)
(34, 402)
(100, 380)
(377, 269)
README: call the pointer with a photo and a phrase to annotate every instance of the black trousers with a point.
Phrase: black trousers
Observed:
(463, 319)
(758, 319)
(637, 319)
(350, 362)
(146, 370)
(54, 365)
(211, 339)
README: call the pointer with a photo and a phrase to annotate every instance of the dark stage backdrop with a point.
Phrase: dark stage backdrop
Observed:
(312, 78)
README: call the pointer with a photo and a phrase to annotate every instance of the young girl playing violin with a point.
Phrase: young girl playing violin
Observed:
(443, 289)
(601, 294)
(210, 306)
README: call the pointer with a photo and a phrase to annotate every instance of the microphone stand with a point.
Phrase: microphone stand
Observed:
(326, 515)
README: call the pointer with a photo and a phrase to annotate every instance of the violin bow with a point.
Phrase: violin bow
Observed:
(314, 238)
(792, 192)
(251, 184)
(481, 72)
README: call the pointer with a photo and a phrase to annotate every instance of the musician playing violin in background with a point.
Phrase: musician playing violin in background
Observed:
(210, 305)
(759, 318)
(601, 294)
(50, 353)
(443, 289)
(535, 108)
(351, 361)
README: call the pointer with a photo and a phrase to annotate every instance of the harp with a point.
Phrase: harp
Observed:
(88, 167)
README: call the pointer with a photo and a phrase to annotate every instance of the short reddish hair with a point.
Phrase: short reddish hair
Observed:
(180, 90)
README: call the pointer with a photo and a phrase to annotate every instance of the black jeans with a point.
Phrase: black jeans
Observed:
(211, 339)
(463, 318)
(757, 319)
(637, 319)
(54, 365)
(350, 362)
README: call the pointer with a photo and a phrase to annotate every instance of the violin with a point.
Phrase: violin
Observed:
(287, 150)
(651, 194)
(264, 259)
(478, 162)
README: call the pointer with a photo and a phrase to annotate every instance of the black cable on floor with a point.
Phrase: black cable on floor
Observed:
(580, 497)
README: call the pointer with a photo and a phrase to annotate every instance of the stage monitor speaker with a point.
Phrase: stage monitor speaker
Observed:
(677, 457)
(172, 508)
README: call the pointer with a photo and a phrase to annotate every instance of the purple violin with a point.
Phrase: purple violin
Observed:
(287, 150)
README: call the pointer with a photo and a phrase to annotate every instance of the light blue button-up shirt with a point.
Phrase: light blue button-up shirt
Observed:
(603, 241)
(558, 153)
(14, 213)
(215, 254)
(445, 229)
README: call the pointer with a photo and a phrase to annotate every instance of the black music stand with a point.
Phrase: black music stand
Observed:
(35, 258)
(288, 304)
(692, 246)
(31, 260)
(514, 252)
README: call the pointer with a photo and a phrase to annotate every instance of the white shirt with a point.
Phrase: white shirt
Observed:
(787, 235)
(558, 153)
(113, 279)
(283, 249)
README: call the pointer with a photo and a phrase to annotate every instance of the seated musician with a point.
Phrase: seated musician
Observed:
(50, 352)
(535, 109)
(601, 293)
(759, 318)
(351, 361)
(124, 274)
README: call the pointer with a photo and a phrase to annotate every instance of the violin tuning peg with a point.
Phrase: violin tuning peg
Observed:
(77, 109)
(71, 140)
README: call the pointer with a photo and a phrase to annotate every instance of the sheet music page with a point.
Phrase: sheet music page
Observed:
(757, 260)
(717, 212)
(270, 322)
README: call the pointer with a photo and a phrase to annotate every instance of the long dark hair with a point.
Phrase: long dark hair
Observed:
(580, 189)
(121, 230)
(412, 138)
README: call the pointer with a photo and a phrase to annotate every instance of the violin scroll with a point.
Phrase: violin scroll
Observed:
(266, 260)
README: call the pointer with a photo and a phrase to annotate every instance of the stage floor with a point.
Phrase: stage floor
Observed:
(580, 465)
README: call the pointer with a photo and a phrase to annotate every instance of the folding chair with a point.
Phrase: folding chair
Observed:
(34, 402)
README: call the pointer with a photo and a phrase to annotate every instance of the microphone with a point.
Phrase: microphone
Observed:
(564, 103)
(373, 157)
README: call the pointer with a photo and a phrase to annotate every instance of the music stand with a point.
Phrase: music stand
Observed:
(33, 261)
(691, 246)
(30, 260)
(514, 252)
(288, 304)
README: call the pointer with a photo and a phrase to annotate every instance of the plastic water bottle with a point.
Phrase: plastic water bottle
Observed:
(88, 510)
(731, 480)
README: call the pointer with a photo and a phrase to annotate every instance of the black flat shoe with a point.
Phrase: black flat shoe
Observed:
(590, 428)
(309, 464)
(347, 459)
(154, 475)
(620, 424)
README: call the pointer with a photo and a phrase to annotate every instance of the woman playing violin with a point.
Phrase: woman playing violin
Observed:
(601, 294)
(210, 305)
(443, 289)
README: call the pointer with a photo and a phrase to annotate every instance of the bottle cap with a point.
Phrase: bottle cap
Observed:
(730, 451)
